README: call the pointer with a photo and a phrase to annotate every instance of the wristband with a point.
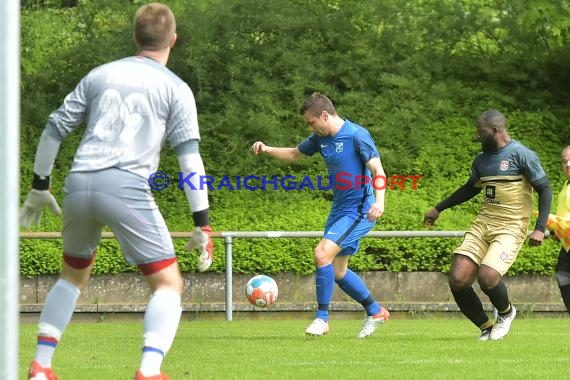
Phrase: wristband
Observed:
(201, 218)
(40, 182)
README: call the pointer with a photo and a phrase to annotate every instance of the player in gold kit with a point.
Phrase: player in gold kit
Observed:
(508, 172)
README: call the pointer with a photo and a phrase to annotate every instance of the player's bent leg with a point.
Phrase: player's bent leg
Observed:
(490, 283)
(461, 277)
(162, 316)
(506, 312)
(56, 315)
(353, 285)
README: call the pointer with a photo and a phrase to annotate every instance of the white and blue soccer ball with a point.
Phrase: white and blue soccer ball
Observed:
(261, 291)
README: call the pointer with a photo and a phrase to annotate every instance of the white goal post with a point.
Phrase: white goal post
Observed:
(9, 186)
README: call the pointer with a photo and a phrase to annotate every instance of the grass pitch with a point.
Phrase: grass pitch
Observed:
(278, 349)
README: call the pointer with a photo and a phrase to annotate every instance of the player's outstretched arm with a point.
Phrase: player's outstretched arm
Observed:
(284, 154)
(463, 194)
(39, 196)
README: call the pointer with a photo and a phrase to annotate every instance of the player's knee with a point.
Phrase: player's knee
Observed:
(164, 277)
(319, 256)
(457, 282)
(487, 283)
(77, 270)
(488, 278)
(173, 283)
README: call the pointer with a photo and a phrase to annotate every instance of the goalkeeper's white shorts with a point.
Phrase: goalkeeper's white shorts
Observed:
(118, 199)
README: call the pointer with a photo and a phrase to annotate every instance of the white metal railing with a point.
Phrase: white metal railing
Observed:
(228, 237)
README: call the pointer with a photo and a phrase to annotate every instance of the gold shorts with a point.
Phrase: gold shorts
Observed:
(495, 246)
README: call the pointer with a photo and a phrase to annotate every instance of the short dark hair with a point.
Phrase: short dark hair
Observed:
(492, 118)
(316, 103)
(154, 27)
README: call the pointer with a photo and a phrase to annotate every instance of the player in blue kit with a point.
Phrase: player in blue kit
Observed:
(352, 162)
(131, 107)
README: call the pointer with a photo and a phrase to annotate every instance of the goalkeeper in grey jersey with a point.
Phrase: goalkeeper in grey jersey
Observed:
(131, 107)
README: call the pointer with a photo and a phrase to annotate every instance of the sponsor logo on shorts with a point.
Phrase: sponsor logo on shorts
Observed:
(504, 256)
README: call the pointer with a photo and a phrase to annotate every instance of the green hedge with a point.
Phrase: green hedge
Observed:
(293, 211)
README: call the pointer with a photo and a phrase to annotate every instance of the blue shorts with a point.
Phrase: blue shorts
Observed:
(122, 201)
(347, 229)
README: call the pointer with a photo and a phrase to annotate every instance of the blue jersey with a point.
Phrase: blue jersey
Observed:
(346, 155)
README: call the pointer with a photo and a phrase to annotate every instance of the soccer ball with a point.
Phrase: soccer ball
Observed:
(261, 291)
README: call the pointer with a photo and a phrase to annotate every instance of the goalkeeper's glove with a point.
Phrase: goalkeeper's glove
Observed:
(201, 239)
(34, 204)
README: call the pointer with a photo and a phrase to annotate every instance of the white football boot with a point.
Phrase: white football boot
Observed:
(503, 325)
(318, 328)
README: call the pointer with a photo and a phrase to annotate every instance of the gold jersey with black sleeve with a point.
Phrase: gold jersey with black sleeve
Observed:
(506, 176)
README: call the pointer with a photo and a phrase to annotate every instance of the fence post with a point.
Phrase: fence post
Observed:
(229, 277)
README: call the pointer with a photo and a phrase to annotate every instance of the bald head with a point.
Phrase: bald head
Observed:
(492, 130)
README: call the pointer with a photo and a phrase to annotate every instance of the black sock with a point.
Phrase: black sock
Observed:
(471, 306)
(499, 298)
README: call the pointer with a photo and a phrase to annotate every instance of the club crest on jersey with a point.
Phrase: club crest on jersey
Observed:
(504, 256)
(339, 147)
(504, 165)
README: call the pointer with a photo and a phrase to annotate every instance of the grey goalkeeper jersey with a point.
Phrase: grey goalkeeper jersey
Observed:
(131, 107)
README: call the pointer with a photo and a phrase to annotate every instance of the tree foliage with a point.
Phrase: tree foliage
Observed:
(415, 73)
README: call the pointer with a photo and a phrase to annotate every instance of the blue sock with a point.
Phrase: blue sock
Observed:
(353, 285)
(324, 283)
